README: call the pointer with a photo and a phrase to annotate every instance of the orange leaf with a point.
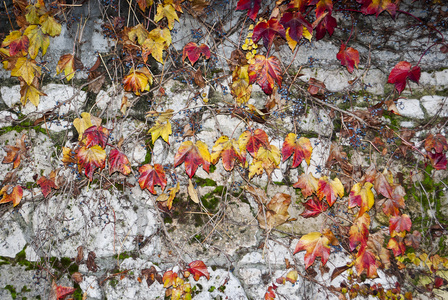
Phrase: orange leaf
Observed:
(316, 245)
(198, 269)
(137, 80)
(399, 224)
(329, 189)
(193, 155)
(301, 148)
(252, 141)
(307, 183)
(144, 4)
(95, 135)
(69, 64)
(365, 260)
(397, 246)
(46, 184)
(14, 154)
(436, 142)
(118, 161)
(359, 231)
(193, 52)
(362, 196)
(276, 212)
(91, 159)
(15, 194)
(169, 278)
(266, 72)
(227, 150)
(151, 176)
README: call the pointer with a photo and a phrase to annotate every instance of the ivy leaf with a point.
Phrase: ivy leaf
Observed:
(68, 156)
(31, 93)
(169, 197)
(15, 194)
(118, 161)
(307, 183)
(327, 24)
(193, 52)
(268, 31)
(359, 231)
(49, 25)
(301, 148)
(295, 22)
(413, 240)
(365, 260)
(139, 33)
(276, 212)
(252, 140)
(16, 42)
(226, 149)
(329, 189)
(91, 158)
(316, 245)
(14, 154)
(59, 292)
(269, 158)
(399, 224)
(322, 6)
(151, 176)
(193, 155)
(349, 57)
(252, 6)
(46, 184)
(241, 88)
(69, 64)
(198, 269)
(154, 48)
(397, 246)
(95, 135)
(370, 7)
(85, 122)
(401, 72)
(166, 11)
(169, 278)
(313, 207)
(160, 130)
(144, 4)
(266, 72)
(438, 160)
(137, 80)
(270, 295)
(27, 69)
(436, 142)
(361, 195)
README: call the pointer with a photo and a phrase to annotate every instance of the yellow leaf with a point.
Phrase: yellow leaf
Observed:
(256, 168)
(67, 64)
(50, 25)
(291, 43)
(192, 192)
(272, 154)
(138, 32)
(154, 48)
(166, 11)
(26, 68)
(11, 37)
(29, 92)
(160, 130)
(82, 124)
(37, 40)
(203, 150)
(32, 15)
(241, 88)
(162, 36)
(137, 80)
(414, 259)
(306, 34)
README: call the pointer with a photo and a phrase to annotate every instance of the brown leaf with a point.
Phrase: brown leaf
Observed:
(91, 265)
(316, 87)
(340, 157)
(198, 78)
(276, 211)
(77, 277)
(80, 257)
(338, 271)
(96, 86)
(151, 275)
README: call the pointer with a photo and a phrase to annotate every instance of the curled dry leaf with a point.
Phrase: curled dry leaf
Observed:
(275, 212)
(15, 154)
(192, 192)
(11, 194)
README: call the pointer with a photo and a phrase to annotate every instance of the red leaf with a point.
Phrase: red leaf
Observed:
(268, 31)
(252, 140)
(151, 176)
(327, 24)
(370, 7)
(316, 245)
(330, 189)
(47, 184)
(322, 6)
(301, 148)
(198, 269)
(95, 136)
(193, 52)
(401, 72)
(399, 224)
(269, 293)
(438, 160)
(439, 281)
(227, 150)
(266, 72)
(295, 22)
(118, 161)
(252, 6)
(359, 232)
(314, 207)
(91, 158)
(365, 260)
(15, 194)
(397, 246)
(193, 155)
(436, 142)
(349, 57)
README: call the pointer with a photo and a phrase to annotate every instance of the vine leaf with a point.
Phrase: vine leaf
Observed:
(322, 6)
(361, 195)
(169, 278)
(276, 212)
(46, 184)
(307, 183)
(438, 160)
(227, 150)
(166, 11)
(252, 140)
(193, 52)
(144, 4)
(370, 7)
(436, 142)
(85, 122)
(26, 68)
(49, 25)
(118, 161)
(16, 42)
(365, 260)
(397, 246)
(198, 269)
(252, 6)
(327, 24)
(169, 196)
(349, 57)
(266, 72)
(268, 31)
(139, 33)
(295, 25)
(160, 129)
(398, 225)
(31, 93)
(241, 88)
(15, 154)
(301, 148)
(329, 189)
(95, 135)
(316, 245)
(58, 292)
(401, 72)
(10, 194)
(359, 231)
(69, 64)
(193, 155)
(91, 159)
(313, 207)
(151, 176)
(266, 158)
(137, 81)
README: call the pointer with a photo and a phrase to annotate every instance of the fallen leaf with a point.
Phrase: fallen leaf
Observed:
(15, 154)
(151, 176)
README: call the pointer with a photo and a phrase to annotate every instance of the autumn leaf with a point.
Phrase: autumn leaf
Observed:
(95, 135)
(275, 213)
(268, 31)
(69, 64)
(266, 72)
(307, 183)
(269, 158)
(192, 192)
(227, 150)
(301, 148)
(82, 124)
(154, 48)
(252, 140)
(269, 295)
(361, 195)
(359, 231)
(160, 130)
(252, 6)
(169, 196)
(401, 72)
(144, 4)
(316, 245)
(91, 158)
(322, 6)
(15, 154)
(436, 142)
(296, 23)
(10, 194)
(27, 69)
(162, 116)
(198, 269)
(365, 260)
(59, 292)
(49, 25)
(193, 155)
(33, 12)
(399, 224)
(193, 52)
(46, 184)
(68, 156)
(313, 207)
(151, 176)
(327, 24)
(31, 93)
(413, 240)
(16, 42)
(166, 11)
(241, 88)
(118, 161)
(138, 33)
(137, 80)
(329, 189)
(438, 160)
(169, 278)
(397, 246)
(370, 7)
(349, 57)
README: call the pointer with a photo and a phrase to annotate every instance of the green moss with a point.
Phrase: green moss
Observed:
(168, 220)
(113, 282)
(212, 169)
(25, 289)
(204, 181)
(148, 153)
(78, 294)
(12, 290)
(211, 200)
